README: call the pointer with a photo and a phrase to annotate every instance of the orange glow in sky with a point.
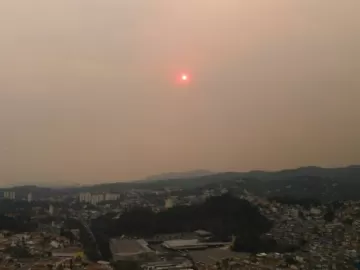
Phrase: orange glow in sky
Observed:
(183, 78)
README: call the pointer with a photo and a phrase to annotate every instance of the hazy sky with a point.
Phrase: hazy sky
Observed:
(88, 88)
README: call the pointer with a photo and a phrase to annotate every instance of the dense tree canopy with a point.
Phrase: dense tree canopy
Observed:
(17, 224)
(224, 216)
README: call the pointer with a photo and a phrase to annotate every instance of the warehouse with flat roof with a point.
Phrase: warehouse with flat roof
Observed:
(129, 249)
(191, 244)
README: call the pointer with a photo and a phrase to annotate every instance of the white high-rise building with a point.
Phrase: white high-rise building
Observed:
(96, 198)
(51, 209)
(111, 196)
(169, 203)
(9, 195)
(85, 197)
(29, 197)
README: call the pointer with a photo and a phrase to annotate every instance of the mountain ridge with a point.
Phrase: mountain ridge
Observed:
(348, 174)
(178, 175)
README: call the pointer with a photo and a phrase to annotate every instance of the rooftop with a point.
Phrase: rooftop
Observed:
(203, 233)
(128, 246)
(191, 244)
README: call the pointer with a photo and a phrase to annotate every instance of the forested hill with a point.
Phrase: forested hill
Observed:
(179, 175)
(224, 216)
(326, 183)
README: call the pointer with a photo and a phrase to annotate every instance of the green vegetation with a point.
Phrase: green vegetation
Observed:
(224, 216)
(18, 252)
(338, 184)
(329, 216)
(17, 224)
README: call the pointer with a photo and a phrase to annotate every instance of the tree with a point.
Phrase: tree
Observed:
(329, 216)
(223, 216)
(18, 252)
(348, 221)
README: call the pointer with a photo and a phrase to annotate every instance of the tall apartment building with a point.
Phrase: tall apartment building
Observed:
(29, 197)
(169, 203)
(85, 197)
(95, 199)
(111, 196)
(51, 209)
(9, 195)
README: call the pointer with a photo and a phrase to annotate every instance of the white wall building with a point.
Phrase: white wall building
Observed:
(51, 209)
(169, 203)
(95, 199)
(9, 195)
(85, 197)
(29, 197)
(111, 196)
(315, 211)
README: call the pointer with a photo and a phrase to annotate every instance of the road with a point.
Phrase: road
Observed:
(90, 233)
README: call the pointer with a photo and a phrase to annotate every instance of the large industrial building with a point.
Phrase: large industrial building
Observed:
(191, 244)
(129, 249)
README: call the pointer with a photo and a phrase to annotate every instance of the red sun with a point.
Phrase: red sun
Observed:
(183, 78)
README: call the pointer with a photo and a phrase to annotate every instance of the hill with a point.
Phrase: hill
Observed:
(322, 183)
(223, 216)
(179, 175)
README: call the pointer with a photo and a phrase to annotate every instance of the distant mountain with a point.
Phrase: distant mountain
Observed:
(179, 175)
(316, 182)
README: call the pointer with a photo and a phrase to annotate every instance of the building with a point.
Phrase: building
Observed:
(69, 252)
(126, 249)
(315, 211)
(356, 225)
(203, 233)
(29, 197)
(211, 258)
(191, 244)
(9, 195)
(85, 197)
(169, 203)
(96, 198)
(180, 263)
(51, 209)
(46, 263)
(112, 196)
(98, 266)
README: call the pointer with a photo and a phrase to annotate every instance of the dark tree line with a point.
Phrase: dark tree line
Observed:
(17, 224)
(255, 244)
(18, 252)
